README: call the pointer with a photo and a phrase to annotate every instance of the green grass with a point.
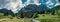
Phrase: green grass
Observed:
(1, 14)
(47, 16)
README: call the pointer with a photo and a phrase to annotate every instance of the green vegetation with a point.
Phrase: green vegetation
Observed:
(47, 17)
(42, 17)
(2, 16)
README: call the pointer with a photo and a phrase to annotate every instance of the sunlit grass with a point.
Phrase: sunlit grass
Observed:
(47, 16)
(17, 20)
(1, 14)
(41, 16)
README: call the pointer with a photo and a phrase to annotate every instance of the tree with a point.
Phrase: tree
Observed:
(42, 8)
(57, 8)
(32, 10)
(28, 11)
(58, 0)
(6, 12)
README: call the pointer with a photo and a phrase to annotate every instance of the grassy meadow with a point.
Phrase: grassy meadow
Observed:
(47, 17)
(42, 17)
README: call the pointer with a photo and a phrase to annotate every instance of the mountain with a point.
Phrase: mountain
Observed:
(57, 7)
(12, 4)
(59, 1)
(36, 7)
(56, 10)
(32, 9)
(28, 11)
(6, 12)
(42, 7)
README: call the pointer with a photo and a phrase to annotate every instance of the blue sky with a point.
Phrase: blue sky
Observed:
(3, 2)
(44, 2)
(23, 1)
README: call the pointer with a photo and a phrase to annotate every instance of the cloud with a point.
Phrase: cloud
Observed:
(10, 4)
(51, 3)
(16, 5)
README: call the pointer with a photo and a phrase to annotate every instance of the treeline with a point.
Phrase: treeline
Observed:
(32, 10)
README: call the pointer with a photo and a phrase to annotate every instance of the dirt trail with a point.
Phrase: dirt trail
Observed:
(1, 20)
(18, 20)
(35, 20)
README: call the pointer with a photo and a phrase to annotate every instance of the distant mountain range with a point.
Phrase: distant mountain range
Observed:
(57, 7)
(30, 7)
(36, 7)
(6, 12)
(13, 4)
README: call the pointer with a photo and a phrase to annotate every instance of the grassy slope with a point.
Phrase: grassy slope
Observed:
(46, 16)
(1, 16)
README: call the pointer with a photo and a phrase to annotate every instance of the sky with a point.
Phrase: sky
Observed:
(16, 5)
